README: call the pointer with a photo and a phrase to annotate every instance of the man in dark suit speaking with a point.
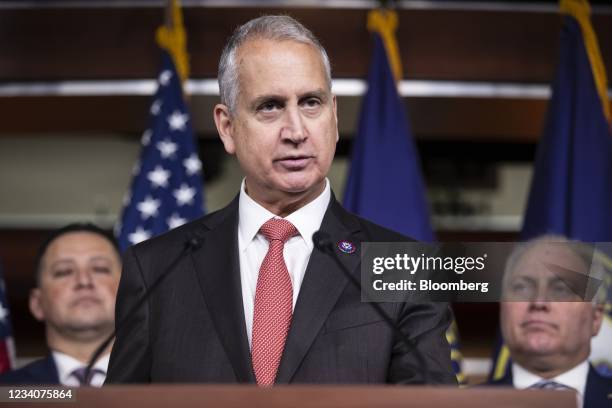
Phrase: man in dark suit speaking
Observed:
(255, 301)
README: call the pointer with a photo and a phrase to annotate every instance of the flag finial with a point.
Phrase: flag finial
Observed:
(385, 22)
(172, 37)
(581, 11)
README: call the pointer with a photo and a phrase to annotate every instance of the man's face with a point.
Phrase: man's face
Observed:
(78, 284)
(554, 327)
(284, 128)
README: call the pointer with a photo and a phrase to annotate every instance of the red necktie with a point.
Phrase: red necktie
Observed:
(273, 303)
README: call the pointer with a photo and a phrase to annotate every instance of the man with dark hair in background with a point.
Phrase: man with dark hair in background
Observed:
(256, 302)
(77, 276)
(548, 319)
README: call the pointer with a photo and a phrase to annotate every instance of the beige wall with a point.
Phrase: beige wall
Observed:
(53, 179)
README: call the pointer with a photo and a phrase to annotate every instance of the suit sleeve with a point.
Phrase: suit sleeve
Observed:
(130, 360)
(426, 325)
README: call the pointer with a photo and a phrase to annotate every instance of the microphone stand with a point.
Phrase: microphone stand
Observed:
(322, 241)
(190, 245)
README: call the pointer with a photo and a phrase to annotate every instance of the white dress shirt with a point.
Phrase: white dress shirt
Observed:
(66, 365)
(253, 246)
(575, 378)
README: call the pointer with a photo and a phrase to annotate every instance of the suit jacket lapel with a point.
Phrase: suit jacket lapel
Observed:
(322, 286)
(218, 271)
(47, 372)
(596, 390)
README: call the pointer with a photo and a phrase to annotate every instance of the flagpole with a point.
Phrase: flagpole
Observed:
(168, 15)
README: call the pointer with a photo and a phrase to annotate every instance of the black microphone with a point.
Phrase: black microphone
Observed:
(193, 243)
(323, 242)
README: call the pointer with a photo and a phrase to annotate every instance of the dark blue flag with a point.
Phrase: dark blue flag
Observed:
(571, 189)
(385, 184)
(167, 187)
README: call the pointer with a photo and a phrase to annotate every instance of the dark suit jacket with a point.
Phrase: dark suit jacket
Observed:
(597, 393)
(41, 371)
(192, 329)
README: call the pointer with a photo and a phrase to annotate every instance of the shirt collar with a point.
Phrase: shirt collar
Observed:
(307, 220)
(575, 378)
(67, 364)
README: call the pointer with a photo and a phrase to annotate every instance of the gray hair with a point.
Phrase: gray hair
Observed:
(276, 28)
(585, 251)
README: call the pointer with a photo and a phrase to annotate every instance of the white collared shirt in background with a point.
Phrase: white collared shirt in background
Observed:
(253, 246)
(66, 366)
(575, 378)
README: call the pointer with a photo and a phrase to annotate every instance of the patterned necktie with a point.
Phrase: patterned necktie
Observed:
(273, 303)
(549, 385)
(79, 374)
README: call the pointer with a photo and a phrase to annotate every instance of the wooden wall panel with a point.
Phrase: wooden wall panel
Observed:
(470, 119)
(54, 44)
(118, 43)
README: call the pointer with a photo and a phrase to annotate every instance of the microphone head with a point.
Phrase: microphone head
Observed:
(322, 241)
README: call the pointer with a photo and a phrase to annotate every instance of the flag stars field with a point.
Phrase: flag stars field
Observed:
(164, 77)
(166, 148)
(175, 221)
(192, 164)
(139, 235)
(178, 120)
(146, 137)
(159, 177)
(156, 107)
(184, 195)
(167, 187)
(149, 207)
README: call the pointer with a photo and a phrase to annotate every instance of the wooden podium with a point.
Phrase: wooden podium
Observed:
(246, 396)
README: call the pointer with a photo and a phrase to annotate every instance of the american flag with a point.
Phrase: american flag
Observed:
(167, 186)
(7, 349)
